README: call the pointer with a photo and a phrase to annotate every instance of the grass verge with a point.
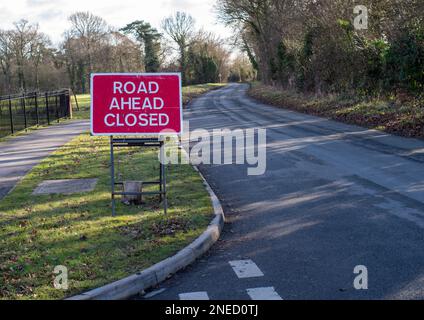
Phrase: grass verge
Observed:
(404, 118)
(77, 231)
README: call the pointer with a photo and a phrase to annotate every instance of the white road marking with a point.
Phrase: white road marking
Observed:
(246, 269)
(153, 293)
(202, 295)
(265, 293)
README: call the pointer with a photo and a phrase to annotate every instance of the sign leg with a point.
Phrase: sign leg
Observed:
(112, 176)
(165, 200)
(161, 174)
(163, 179)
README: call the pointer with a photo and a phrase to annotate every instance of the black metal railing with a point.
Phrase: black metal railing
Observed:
(21, 111)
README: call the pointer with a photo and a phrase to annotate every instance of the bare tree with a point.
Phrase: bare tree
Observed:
(6, 57)
(38, 51)
(90, 30)
(124, 54)
(23, 37)
(92, 46)
(24, 53)
(208, 58)
(180, 28)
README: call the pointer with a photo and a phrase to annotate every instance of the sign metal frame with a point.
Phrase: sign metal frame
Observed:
(161, 183)
(140, 139)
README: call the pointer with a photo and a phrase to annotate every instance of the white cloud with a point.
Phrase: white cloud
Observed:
(51, 15)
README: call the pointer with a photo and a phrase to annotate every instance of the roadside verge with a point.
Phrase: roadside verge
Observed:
(393, 115)
(159, 272)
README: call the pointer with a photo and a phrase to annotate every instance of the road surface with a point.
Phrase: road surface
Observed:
(334, 196)
(18, 155)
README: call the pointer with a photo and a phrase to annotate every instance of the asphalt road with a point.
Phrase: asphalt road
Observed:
(18, 155)
(334, 196)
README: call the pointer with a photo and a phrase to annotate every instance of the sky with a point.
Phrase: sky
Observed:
(51, 15)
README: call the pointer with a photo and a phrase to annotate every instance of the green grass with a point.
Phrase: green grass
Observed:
(404, 118)
(38, 233)
(189, 93)
(84, 106)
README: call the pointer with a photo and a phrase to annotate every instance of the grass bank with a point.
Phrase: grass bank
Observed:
(393, 115)
(38, 233)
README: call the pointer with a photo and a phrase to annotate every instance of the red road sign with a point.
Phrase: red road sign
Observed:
(136, 104)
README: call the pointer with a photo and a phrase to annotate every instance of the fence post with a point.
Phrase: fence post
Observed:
(68, 102)
(57, 108)
(62, 104)
(75, 97)
(10, 115)
(37, 118)
(24, 109)
(47, 108)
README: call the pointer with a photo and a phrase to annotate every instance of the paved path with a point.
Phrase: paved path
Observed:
(18, 155)
(334, 196)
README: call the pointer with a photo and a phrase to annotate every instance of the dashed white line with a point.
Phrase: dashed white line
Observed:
(246, 269)
(265, 293)
(202, 295)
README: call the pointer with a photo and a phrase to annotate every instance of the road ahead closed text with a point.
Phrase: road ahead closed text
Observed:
(128, 104)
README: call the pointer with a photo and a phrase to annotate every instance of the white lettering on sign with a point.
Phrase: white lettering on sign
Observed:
(136, 103)
(132, 120)
(131, 88)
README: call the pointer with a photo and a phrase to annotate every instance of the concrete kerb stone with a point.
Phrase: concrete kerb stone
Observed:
(162, 270)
